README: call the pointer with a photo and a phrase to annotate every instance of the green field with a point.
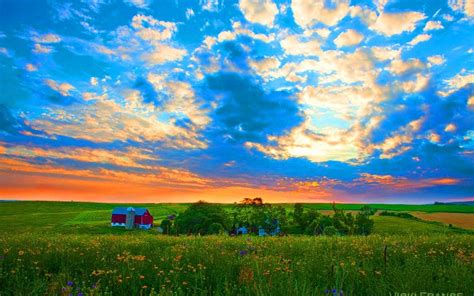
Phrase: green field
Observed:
(46, 245)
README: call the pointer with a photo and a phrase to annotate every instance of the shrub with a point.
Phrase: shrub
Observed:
(330, 231)
(216, 228)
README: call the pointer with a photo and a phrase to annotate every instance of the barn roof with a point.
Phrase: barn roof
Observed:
(124, 211)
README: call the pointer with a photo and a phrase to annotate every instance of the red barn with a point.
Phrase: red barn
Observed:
(137, 217)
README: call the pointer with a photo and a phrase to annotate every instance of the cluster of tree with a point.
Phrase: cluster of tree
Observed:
(400, 215)
(313, 222)
(256, 216)
(253, 214)
(199, 218)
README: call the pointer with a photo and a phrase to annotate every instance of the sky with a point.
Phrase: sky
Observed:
(290, 101)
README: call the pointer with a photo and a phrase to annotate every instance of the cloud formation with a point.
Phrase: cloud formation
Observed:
(305, 100)
(260, 11)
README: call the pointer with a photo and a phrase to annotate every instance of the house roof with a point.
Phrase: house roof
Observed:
(125, 210)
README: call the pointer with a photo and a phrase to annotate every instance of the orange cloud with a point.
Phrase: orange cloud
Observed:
(402, 183)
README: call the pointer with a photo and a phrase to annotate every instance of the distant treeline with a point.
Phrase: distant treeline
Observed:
(253, 216)
(400, 215)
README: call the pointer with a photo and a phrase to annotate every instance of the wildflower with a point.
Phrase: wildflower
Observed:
(145, 287)
(70, 284)
(80, 294)
(243, 253)
(246, 275)
(142, 277)
(185, 283)
(21, 253)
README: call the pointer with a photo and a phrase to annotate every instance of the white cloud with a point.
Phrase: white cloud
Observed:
(31, 68)
(433, 25)
(436, 60)
(259, 11)
(209, 5)
(401, 67)
(293, 46)
(94, 81)
(412, 86)
(385, 53)
(163, 53)
(380, 4)
(41, 48)
(62, 88)
(303, 141)
(47, 38)
(265, 66)
(450, 128)
(348, 38)
(323, 32)
(189, 13)
(138, 3)
(151, 29)
(457, 82)
(105, 120)
(420, 38)
(470, 102)
(308, 13)
(396, 23)
(465, 6)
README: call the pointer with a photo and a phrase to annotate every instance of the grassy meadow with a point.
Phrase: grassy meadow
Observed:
(69, 248)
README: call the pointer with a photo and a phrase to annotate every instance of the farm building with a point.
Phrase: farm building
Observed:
(132, 217)
(242, 230)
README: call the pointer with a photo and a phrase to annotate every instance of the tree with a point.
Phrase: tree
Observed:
(216, 228)
(344, 223)
(250, 201)
(368, 211)
(166, 226)
(330, 231)
(253, 213)
(199, 217)
(363, 224)
(298, 212)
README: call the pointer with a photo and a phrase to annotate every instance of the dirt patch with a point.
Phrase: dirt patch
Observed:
(456, 219)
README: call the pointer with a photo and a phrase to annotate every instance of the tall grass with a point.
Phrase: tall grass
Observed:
(142, 264)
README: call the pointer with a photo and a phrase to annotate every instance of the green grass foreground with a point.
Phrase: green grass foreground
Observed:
(49, 248)
(141, 264)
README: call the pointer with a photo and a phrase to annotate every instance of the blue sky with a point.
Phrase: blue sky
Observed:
(351, 101)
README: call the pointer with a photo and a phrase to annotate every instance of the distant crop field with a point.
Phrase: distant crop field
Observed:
(434, 208)
(457, 219)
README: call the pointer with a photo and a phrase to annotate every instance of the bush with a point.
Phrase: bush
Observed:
(364, 225)
(166, 226)
(330, 231)
(400, 215)
(216, 228)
